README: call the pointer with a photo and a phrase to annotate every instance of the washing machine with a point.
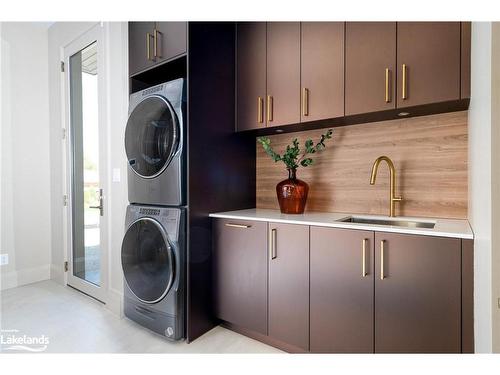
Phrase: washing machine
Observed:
(154, 144)
(153, 259)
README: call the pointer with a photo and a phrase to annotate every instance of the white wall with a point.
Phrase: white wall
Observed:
(115, 37)
(484, 182)
(25, 177)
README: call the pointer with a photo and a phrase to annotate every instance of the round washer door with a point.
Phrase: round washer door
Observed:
(151, 136)
(147, 260)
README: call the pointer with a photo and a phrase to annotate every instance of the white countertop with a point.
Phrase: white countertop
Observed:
(443, 227)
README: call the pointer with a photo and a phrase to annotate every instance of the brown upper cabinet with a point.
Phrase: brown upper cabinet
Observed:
(370, 67)
(322, 70)
(251, 75)
(289, 284)
(151, 43)
(283, 73)
(428, 60)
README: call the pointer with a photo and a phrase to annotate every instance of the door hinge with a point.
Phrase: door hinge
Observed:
(62, 66)
(65, 200)
(63, 133)
(66, 266)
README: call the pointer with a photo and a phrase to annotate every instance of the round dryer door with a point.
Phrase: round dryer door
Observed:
(151, 136)
(147, 260)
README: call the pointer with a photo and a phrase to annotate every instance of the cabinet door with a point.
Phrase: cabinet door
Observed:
(417, 294)
(430, 51)
(342, 281)
(370, 67)
(289, 284)
(170, 40)
(322, 70)
(283, 73)
(240, 273)
(251, 75)
(138, 41)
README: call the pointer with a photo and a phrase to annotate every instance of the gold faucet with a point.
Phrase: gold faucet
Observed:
(392, 197)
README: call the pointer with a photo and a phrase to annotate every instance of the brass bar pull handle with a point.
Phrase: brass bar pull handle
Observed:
(382, 243)
(387, 85)
(238, 226)
(404, 94)
(364, 273)
(148, 47)
(272, 244)
(260, 110)
(155, 45)
(305, 102)
(269, 108)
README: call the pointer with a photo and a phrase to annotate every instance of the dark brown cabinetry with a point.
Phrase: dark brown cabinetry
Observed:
(428, 60)
(370, 74)
(322, 70)
(417, 294)
(341, 287)
(283, 73)
(240, 273)
(251, 75)
(289, 284)
(151, 43)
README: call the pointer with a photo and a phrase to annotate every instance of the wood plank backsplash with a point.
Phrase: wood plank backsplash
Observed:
(429, 153)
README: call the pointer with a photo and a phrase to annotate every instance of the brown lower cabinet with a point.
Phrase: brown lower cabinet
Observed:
(240, 273)
(332, 290)
(341, 290)
(289, 284)
(417, 294)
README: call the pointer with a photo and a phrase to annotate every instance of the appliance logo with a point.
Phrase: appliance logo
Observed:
(12, 340)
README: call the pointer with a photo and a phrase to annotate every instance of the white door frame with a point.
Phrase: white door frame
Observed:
(96, 33)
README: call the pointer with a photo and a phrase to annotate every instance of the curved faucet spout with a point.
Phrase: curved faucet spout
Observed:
(392, 170)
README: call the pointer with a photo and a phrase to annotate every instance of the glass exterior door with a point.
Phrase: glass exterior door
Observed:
(86, 160)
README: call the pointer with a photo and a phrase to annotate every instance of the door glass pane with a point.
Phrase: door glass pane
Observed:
(147, 260)
(85, 164)
(151, 136)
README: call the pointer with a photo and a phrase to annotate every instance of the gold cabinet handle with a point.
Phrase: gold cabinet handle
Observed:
(387, 85)
(260, 110)
(272, 244)
(238, 226)
(269, 108)
(155, 45)
(382, 276)
(305, 102)
(363, 272)
(404, 94)
(148, 47)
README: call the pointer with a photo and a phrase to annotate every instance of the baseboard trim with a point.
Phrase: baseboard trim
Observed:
(263, 338)
(25, 276)
(115, 302)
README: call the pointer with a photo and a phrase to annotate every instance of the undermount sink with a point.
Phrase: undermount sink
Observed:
(391, 222)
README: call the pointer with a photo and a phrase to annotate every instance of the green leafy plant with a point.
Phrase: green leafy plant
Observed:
(293, 157)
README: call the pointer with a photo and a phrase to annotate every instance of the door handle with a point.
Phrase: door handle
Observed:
(101, 204)
(269, 108)
(387, 85)
(148, 47)
(272, 244)
(382, 243)
(260, 110)
(305, 102)
(364, 273)
(404, 95)
(242, 226)
(155, 45)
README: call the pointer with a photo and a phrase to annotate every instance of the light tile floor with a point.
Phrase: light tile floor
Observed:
(74, 322)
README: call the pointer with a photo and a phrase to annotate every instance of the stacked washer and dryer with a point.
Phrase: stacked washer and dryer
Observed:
(154, 246)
